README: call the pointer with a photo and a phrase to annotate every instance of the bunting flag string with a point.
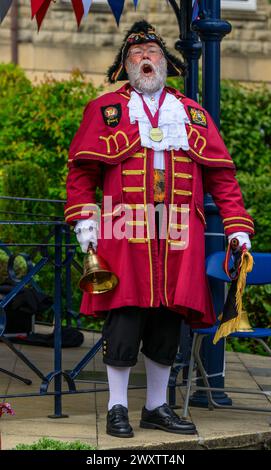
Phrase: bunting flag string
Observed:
(4, 8)
(81, 8)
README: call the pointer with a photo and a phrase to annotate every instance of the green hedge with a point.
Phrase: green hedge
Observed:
(27, 180)
(38, 122)
(53, 444)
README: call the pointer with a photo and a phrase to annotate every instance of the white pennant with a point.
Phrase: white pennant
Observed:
(86, 5)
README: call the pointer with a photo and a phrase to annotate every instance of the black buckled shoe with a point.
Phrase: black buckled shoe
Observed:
(163, 417)
(118, 422)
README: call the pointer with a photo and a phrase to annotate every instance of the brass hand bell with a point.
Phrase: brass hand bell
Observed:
(97, 277)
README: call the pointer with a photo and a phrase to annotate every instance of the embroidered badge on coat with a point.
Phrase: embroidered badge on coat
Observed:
(197, 116)
(111, 114)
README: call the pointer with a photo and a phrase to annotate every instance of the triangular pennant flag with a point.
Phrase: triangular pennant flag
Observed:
(4, 8)
(135, 3)
(117, 8)
(78, 10)
(86, 6)
(35, 6)
(39, 9)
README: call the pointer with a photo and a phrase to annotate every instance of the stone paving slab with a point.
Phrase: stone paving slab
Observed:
(87, 412)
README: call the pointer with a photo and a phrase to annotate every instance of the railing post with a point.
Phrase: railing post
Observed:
(190, 48)
(68, 278)
(57, 330)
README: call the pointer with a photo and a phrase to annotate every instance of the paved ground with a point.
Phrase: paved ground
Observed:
(87, 412)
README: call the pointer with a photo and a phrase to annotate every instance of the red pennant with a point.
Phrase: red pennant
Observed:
(39, 9)
(42, 12)
(78, 10)
(35, 6)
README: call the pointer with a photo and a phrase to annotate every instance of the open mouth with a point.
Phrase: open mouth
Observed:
(147, 69)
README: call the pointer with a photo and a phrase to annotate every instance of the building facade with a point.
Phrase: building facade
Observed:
(60, 47)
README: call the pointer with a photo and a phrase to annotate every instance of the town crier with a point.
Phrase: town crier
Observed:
(154, 153)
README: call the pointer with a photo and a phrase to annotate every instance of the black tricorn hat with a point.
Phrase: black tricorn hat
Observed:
(140, 33)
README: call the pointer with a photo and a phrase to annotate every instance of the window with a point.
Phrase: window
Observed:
(239, 4)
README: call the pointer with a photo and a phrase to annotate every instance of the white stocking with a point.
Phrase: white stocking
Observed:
(118, 378)
(157, 383)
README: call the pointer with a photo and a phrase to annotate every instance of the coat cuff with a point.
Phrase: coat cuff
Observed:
(238, 224)
(76, 212)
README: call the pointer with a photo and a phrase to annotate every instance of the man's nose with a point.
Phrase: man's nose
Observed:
(146, 54)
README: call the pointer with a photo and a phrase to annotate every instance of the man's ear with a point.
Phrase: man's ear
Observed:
(125, 65)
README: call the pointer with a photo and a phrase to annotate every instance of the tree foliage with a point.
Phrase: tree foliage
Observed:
(38, 122)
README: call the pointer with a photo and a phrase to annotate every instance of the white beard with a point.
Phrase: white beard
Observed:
(143, 83)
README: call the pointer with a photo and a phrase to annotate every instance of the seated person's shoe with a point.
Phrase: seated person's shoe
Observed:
(118, 422)
(163, 417)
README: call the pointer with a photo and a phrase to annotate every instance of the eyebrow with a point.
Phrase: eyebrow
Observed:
(147, 47)
(141, 48)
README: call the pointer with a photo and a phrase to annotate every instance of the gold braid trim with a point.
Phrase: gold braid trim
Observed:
(246, 267)
(225, 329)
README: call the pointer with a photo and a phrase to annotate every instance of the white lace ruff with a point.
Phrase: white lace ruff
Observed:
(172, 120)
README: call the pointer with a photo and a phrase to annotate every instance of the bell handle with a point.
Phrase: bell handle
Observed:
(90, 249)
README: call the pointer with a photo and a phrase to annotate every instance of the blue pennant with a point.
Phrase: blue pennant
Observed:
(4, 7)
(135, 3)
(117, 8)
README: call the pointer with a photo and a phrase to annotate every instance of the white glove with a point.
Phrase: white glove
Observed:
(242, 237)
(86, 233)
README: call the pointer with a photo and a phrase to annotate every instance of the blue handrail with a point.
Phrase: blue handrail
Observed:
(60, 232)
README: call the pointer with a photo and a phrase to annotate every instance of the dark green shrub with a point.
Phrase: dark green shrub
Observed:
(52, 444)
(23, 179)
(257, 195)
(3, 266)
(257, 302)
(12, 81)
(37, 123)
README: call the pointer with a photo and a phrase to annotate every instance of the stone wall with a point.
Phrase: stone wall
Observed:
(59, 47)
(246, 52)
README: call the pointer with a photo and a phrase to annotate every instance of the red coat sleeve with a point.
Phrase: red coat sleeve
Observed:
(226, 192)
(82, 181)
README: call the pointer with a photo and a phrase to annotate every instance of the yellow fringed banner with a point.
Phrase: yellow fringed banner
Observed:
(232, 325)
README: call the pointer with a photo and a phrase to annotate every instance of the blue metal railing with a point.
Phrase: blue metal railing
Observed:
(60, 232)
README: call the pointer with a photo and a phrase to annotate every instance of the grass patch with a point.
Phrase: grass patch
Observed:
(52, 444)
